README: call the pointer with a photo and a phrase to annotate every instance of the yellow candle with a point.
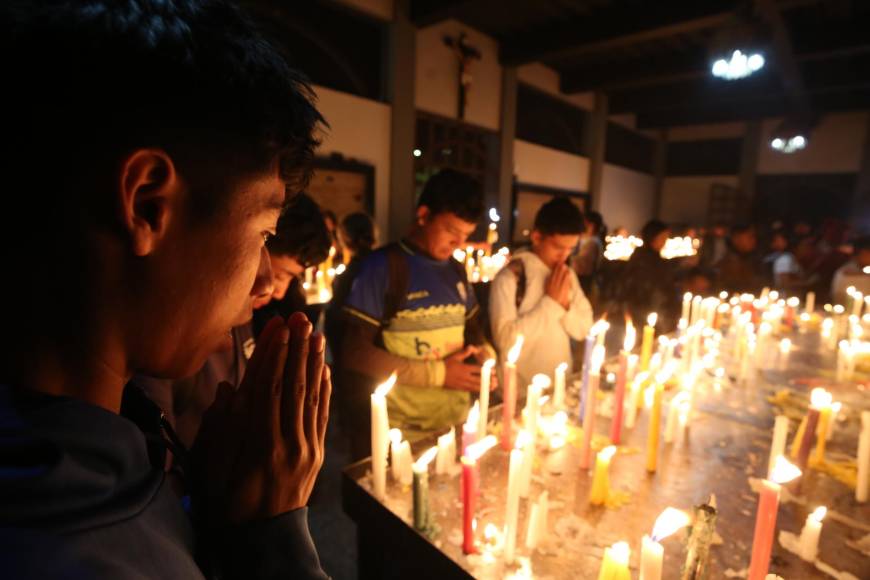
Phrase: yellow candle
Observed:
(649, 332)
(821, 440)
(601, 480)
(798, 437)
(652, 440)
(614, 566)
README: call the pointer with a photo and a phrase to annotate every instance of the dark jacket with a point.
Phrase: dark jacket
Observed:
(80, 498)
(648, 285)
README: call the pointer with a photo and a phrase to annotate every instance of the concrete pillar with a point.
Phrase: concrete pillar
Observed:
(660, 165)
(598, 143)
(861, 200)
(506, 152)
(749, 166)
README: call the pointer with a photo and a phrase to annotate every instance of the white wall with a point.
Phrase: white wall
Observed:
(541, 165)
(686, 199)
(835, 146)
(437, 75)
(546, 79)
(627, 197)
(360, 129)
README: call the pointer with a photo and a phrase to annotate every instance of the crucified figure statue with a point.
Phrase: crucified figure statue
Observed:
(465, 53)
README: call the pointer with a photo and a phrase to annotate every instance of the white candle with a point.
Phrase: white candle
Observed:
(810, 303)
(777, 446)
(446, 458)
(395, 447)
(784, 350)
(835, 410)
(536, 530)
(406, 462)
(652, 553)
(696, 310)
(857, 303)
(559, 386)
(591, 410)
(862, 487)
(809, 540)
(533, 397)
(687, 302)
(558, 451)
(513, 503)
(485, 378)
(380, 436)
(674, 410)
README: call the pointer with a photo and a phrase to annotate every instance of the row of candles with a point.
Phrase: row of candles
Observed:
(622, 247)
(699, 342)
(481, 265)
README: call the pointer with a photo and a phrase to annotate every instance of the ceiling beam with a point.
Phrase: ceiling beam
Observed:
(429, 12)
(612, 29)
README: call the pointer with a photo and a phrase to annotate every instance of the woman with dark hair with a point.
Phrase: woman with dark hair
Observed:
(358, 235)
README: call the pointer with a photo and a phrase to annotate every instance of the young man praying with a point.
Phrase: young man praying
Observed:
(538, 295)
(157, 143)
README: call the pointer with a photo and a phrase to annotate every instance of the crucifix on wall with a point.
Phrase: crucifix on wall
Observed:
(465, 53)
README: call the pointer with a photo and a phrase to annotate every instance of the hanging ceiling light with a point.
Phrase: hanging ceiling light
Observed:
(792, 134)
(740, 65)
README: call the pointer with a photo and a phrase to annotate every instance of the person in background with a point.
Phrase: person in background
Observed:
(301, 241)
(789, 269)
(538, 295)
(587, 260)
(777, 247)
(738, 271)
(649, 280)
(855, 272)
(714, 246)
(180, 133)
(331, 221)
(412, 310)
(697, 281)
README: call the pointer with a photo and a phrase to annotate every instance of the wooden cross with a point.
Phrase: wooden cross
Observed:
(465, 53)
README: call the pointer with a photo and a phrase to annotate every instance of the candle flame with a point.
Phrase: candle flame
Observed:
(473, 417)
(723, 295)
(839, 309)
(560, 419)
(490, 531)
(599, 327)
(385, 387)
(819, 513)
(620, 552)
(850, 290)
(835, 407)
(783, 470)
(395, 435)
(542, 381)
(489, 364)
(422, 463)
(607, 453)
(652, 319)
(785, 345)
(820, 398)
(562, 367)
(597, 359)
(793, 302)
(514, 352)
(668, 523)
(630, 336)
(523, 439)
(476, 450)
(687, 296)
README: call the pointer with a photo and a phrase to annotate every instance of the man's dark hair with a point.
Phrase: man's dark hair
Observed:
(358, 232)
(742, 229)
(455, 192)
(88, 81)
(596, 219)
(301, 233)
(695, 272)
(559, 217)
(651, 230)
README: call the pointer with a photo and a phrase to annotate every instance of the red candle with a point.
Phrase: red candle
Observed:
(468, 500)
(765, 521)
(469, 489)
(509, 394)
(621, 378)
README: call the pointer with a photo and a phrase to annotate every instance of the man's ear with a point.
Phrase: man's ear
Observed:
(149, 190)
(536, 237)
(423, 214)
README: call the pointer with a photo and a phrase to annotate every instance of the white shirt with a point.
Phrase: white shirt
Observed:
(849, 274)
(545, 325)
(786, 263)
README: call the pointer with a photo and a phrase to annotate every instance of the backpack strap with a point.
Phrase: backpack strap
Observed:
(398, 278)
(519, 270)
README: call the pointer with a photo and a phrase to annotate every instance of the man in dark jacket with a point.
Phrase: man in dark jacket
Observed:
(157, 142)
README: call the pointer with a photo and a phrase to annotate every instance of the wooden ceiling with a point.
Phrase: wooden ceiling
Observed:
(653, 57)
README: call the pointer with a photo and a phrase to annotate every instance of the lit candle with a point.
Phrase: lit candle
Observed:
(470, 427)
(777, 446)
(421, 490)
(822, 431)
(396, 453)
(765, 521)
(835, 411)
(809, 540)
(598, 328)
(558, 451)
(652, 440)
(857, 303)
(614, 566)
(810, 302)
(601, 480)
(446, 457)
(380, 436)
(862, 484)
(784, 350)
(675, 409)
(589, 415)
(559, 386)
(635, 398)
(845, 361)
(406, 463)
(509, 394)
(696, 310)
(512, 507)
(652, 552)
(621, 378)
(469, 488)
(687, 303)
(485, 378)
(649, 332)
